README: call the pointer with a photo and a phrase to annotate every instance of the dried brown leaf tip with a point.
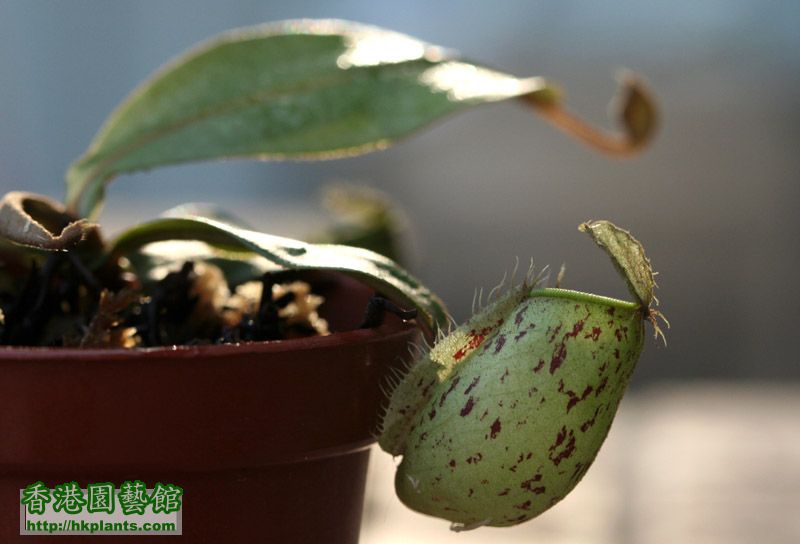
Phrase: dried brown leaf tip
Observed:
(41, 222)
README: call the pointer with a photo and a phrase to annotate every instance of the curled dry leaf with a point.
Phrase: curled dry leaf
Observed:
(41, 222)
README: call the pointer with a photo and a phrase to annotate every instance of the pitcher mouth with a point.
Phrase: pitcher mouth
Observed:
(580, 296)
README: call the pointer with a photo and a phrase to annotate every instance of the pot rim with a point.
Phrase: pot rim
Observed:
(390, 328)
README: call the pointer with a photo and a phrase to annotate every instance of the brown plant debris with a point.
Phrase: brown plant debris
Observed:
(106, 330)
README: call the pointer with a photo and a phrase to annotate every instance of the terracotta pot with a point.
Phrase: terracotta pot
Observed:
(268, 440)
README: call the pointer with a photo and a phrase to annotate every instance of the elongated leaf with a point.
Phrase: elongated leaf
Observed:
(153, 262)
(298, 89)
(373, 269)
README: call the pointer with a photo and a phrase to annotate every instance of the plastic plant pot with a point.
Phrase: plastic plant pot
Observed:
(270, 441)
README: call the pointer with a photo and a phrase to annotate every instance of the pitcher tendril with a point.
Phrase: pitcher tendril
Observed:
(637, 118)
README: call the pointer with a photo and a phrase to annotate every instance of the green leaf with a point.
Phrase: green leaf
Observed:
(153, 262)
(297, 89)
(628, 256)
(377, 271)
(157, 259)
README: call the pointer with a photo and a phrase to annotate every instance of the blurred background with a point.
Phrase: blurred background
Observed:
(707, 448)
